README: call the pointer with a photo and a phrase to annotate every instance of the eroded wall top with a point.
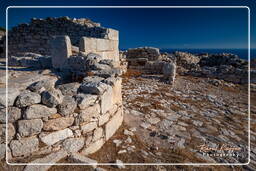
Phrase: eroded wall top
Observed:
(34, 36)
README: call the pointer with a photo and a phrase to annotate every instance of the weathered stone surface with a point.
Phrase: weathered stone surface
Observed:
(42, 85)
(14, 114)
(93, 147)
(79, 158)
(30, 127)
(3, 115)
(97, 134)
(51, 158)
(24, 147)
(114, 123)
(106, 101)
(85, 100)
(117, 91)
(58, 124)
(67, 107)
(103, 119)
(169, 71)
(93, 85)
(60, 51)
(89, 113)
(38, 111)
(11, 132)
(12, 95)
(27, 99)
(57, 136)
(52, 97)
(87, 44)
(69, 89)
(144, 52)
(72, 145)
(89, 127)
(2, 151)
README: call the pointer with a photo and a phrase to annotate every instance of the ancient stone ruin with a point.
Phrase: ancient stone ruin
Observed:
(74, 104)
(64, 114)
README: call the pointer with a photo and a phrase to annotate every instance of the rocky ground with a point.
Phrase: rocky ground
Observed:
(167, 124)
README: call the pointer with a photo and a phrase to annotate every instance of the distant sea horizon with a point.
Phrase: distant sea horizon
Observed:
(242, 53)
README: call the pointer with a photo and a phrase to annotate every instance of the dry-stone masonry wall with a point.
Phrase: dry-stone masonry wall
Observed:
(76, 117)
(34, 37)
(71, 119)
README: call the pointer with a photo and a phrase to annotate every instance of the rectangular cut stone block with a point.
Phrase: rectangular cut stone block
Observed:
(114, 55)
(113, 34)
(106, 100)
(114, 123)
(88, 45)
(105, 45)
(61, 50)
(51, 158)
(57, 136)
(93, 147)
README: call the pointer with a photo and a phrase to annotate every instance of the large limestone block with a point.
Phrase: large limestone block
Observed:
(104, 45)
(88, 45)
(24, 147)
(51, 158)
(113, 34)
(114, 55)
(114, 123)
(57, 136)
(106, 100)
(61, 50)
(93, 147)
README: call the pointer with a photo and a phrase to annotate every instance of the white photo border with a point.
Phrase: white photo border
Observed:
(131, 164)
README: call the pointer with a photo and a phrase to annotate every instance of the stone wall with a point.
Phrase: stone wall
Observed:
(106, 48)
(77, 117)
(34, 37)
(52, 115)
(149, 53)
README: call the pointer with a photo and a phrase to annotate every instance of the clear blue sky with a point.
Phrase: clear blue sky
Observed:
(163, 28)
